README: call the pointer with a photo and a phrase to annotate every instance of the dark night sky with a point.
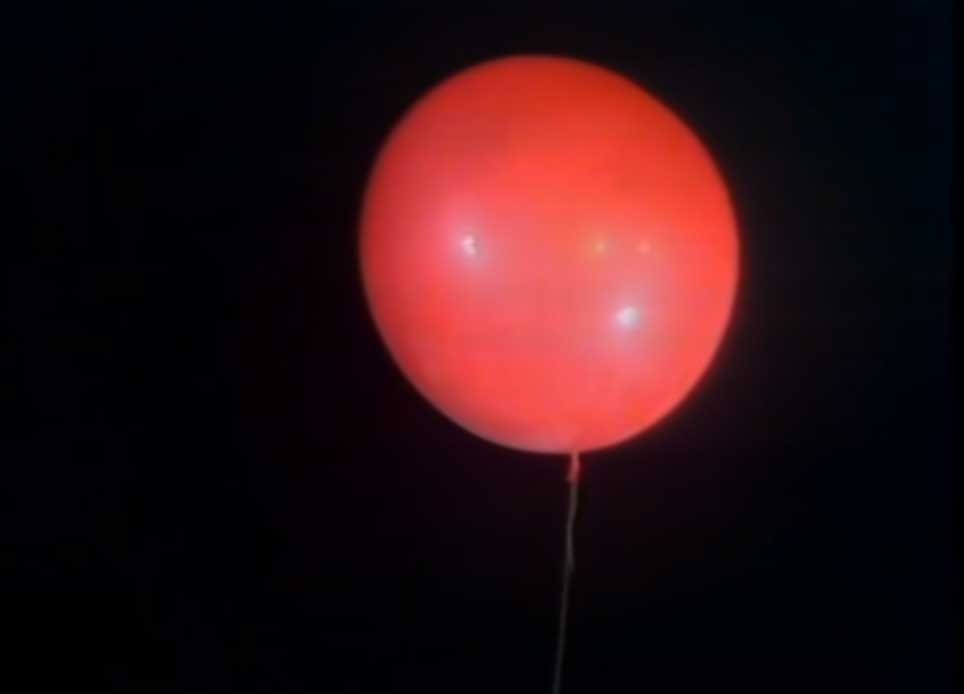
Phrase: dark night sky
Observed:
(219, 482)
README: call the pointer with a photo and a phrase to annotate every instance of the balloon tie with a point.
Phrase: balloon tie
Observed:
(568, 566)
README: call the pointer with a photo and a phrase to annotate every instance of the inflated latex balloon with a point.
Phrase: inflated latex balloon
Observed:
(549, 253)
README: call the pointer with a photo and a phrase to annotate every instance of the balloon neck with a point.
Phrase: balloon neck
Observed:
(575, 468)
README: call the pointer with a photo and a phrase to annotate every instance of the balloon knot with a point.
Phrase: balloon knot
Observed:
(574, 468)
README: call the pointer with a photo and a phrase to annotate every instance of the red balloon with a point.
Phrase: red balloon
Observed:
(549, 253)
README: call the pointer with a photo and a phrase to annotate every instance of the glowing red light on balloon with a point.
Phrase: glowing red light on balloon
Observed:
(549, 253)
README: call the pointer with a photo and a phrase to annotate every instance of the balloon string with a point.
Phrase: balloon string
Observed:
(568, 566)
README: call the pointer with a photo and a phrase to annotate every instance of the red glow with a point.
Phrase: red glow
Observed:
(549, 253)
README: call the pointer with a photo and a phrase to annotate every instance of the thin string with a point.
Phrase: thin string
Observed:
(568, 566)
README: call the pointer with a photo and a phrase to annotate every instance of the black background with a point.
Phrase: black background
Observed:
(232, 488)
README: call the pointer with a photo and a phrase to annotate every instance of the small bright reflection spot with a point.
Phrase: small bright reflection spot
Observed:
(643, 247)
(600, 246)
(627, 316)
(470, 245)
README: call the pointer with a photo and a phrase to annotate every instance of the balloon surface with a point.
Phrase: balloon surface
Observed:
(548, 252)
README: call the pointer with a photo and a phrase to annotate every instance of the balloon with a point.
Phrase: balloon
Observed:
(548, 252)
